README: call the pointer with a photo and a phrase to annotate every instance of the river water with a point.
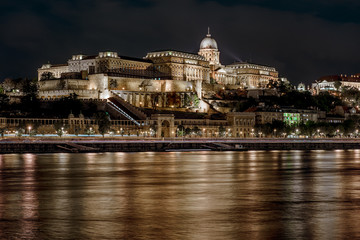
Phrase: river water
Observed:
(193, 195)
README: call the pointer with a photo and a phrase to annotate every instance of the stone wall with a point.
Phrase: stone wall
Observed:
(82, 94)
(63, 84)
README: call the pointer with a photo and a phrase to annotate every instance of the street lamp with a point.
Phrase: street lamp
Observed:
(29, 129)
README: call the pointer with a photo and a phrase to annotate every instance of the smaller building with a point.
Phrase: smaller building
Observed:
(295, 116)
(336, 82)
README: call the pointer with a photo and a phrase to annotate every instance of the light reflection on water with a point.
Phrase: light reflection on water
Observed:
(199, 195)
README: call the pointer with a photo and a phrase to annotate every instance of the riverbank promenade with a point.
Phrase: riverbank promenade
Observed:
(99, 144)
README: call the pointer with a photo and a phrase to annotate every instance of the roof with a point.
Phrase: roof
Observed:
(135, 59)
(89, 57)
(161, 53)
(251, 109)
(59, 65)
(342, 77)
(251, 64)
(208, 43)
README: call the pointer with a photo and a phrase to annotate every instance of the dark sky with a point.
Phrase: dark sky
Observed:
(302, 39)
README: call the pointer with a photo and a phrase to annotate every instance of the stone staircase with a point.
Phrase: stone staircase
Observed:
(117, 108)
(127, 107)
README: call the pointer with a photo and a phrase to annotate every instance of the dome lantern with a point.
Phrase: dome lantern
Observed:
(208, 42)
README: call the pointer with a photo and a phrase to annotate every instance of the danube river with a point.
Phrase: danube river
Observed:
(192, 195)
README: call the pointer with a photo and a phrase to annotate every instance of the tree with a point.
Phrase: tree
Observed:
(2, 131)
(19, 131)
(8, 85)
(284, 87)
(61, 84)
(77, 130)
(308, 129)
(29, 102)
(195, 100)
(351, 95)
(187, 100)
(59, 128)
(243, 105)
(152, 130)
(325, 102)
(192, 100)
(180, 131)
(89, 130)
(197, 131)
(122, 132)
(337, 85)
(4, 101)
(349, 126)
(47, 76)
(69, 104)
(29, 86)
(42, 130)
(264, 129)
(187, 131)
(113, 84)
(222, 131)
(103, 122)
(271, 84)
(32, 132)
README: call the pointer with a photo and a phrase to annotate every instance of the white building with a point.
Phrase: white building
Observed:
(94, 76)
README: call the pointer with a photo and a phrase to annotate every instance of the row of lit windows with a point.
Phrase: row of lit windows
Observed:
(254, 67)
(176, 54)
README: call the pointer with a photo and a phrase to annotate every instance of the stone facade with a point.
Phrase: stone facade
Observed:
(108, 71)
(327, 83)
(180, 66)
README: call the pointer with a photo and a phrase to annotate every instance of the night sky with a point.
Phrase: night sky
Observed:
(302, 39)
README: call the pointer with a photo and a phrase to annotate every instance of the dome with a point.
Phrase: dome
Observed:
(208, 42)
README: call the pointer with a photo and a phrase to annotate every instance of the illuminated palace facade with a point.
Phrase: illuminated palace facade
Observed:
(328, 83)
(159, 72)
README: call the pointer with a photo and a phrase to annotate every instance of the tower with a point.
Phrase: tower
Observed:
(209, 49)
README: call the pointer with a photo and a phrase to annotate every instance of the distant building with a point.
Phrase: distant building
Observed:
(301, 87)
(165, 71)
(336, 82)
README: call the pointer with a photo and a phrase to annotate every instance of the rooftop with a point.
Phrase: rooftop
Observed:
(250, 65)
(341, 77)
(162, 53)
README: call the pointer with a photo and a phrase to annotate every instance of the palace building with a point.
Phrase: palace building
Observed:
(336, 82)
(96, 76)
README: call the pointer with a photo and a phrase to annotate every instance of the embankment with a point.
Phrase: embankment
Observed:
(111, 145)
